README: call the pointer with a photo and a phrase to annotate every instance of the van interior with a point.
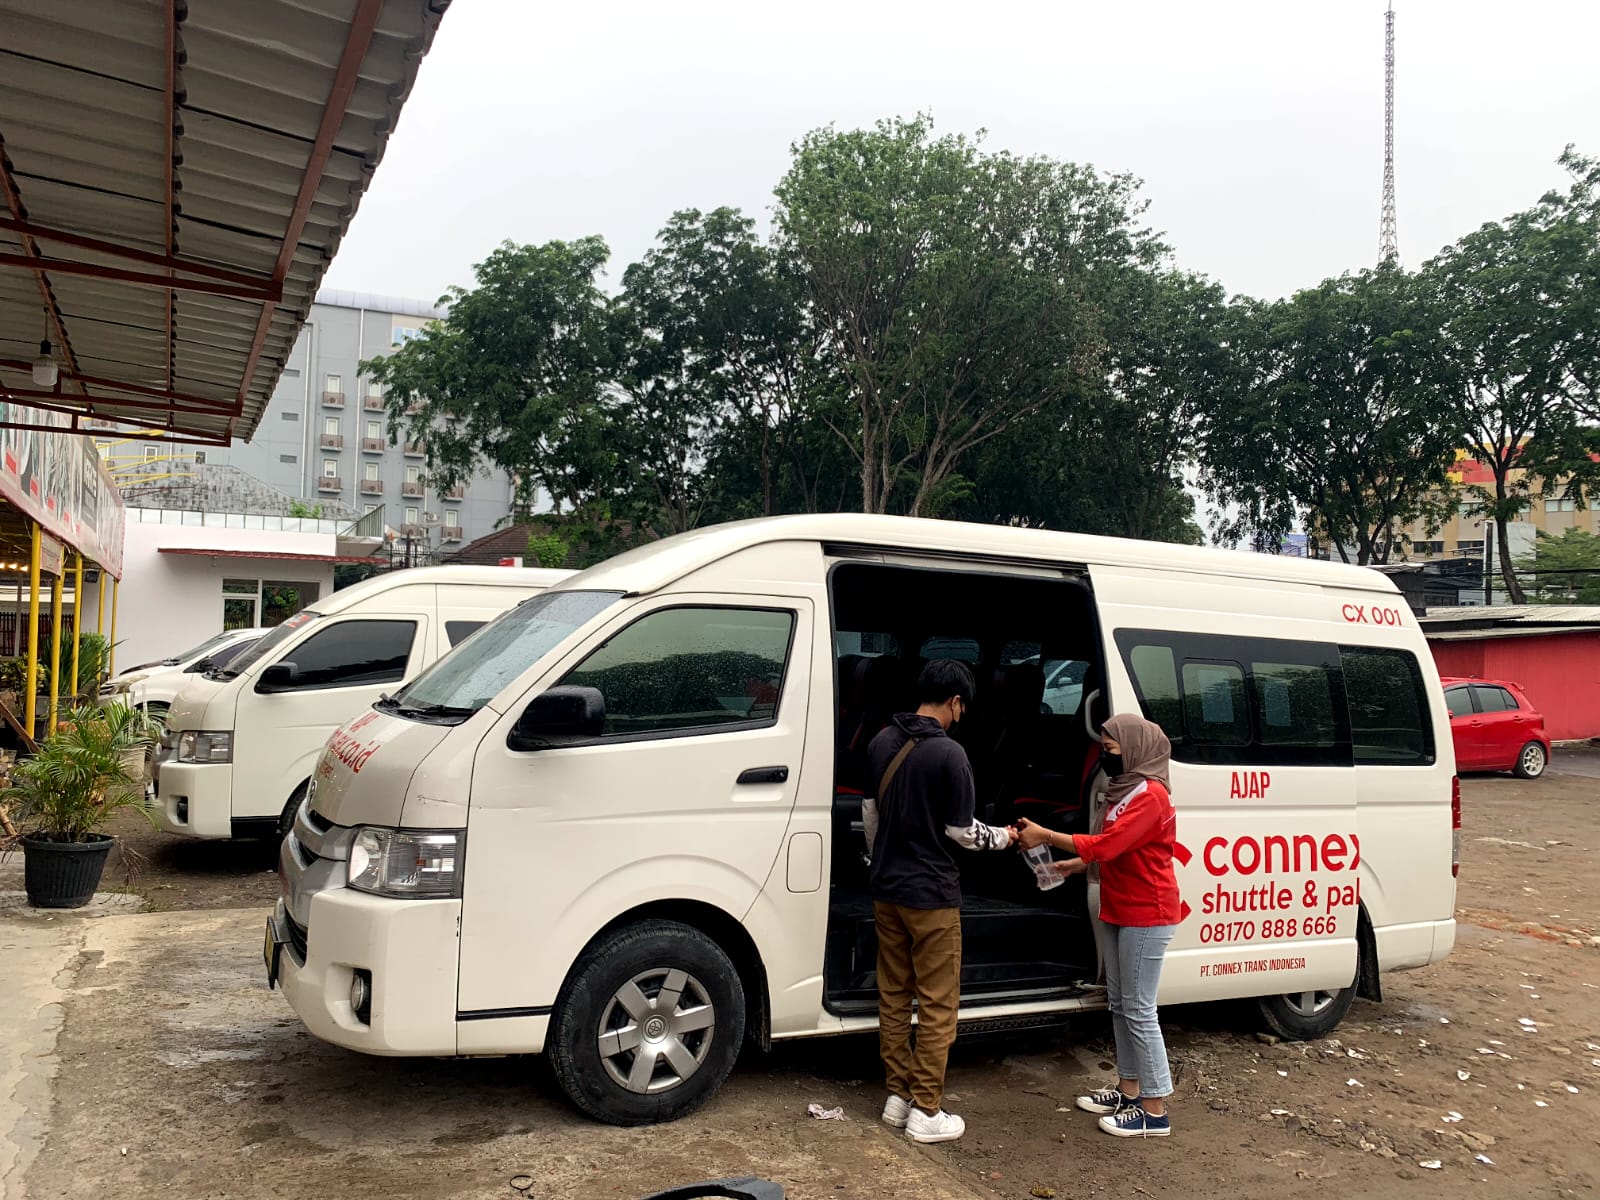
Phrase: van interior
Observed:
(1033, 645)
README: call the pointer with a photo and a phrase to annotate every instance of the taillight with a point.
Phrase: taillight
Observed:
(1455, 825)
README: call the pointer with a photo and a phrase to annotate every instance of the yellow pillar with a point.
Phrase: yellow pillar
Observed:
(55, 647)
(100, 608)
(30, 705)
(77, 617)
(112, 662)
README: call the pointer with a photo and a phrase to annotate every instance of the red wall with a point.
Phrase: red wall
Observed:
(1559, 672)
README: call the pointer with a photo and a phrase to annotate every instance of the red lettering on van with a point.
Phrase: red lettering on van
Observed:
(1250, 785)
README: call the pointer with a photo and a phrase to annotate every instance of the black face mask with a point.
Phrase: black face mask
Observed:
(1112, 763)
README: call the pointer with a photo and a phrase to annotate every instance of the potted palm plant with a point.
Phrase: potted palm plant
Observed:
(88, 768)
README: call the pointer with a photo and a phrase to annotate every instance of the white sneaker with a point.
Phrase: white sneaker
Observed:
(941, 1127)
(897, 1112)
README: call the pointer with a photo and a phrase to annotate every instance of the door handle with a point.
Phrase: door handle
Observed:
(1476, 724)
(764, 775)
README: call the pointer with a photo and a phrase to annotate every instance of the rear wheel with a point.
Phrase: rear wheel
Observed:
(1531, 761)
(286, 817)
(1301, 1016)
(649, 1024)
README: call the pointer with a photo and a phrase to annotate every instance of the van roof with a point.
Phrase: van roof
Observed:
(654, 566)
(525, 577)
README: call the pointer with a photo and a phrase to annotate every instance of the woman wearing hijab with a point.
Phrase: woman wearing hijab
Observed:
(1138, 916)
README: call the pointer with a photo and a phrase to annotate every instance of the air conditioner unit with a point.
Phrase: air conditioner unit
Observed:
(430, 518)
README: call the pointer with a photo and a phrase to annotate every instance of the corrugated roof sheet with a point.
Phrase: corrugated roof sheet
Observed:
(280, 110)
(1514, 614)
(1506, 631)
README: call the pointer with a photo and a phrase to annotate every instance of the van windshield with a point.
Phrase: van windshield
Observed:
(476, 671)
(274, 638)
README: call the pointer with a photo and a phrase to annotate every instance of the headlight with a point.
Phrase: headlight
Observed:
(198, 746)
(119, 685)
(406, 863)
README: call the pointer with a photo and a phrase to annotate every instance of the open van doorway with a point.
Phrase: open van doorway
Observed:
(1033, 643)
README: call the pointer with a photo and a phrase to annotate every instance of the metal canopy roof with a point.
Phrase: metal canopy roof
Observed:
(174, 180)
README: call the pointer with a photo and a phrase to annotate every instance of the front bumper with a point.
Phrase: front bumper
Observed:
(409, 948)
(194, 799)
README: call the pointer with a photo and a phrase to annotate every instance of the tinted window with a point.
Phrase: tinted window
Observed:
(1389, 721)
(218, 659)
(1214, 705)
(353, 652)
(962, 649)
(1295, 701)
(1459, 701)
(1155, 675)
(1063, 685)
(1241, 700)
(1508, 700)
(691, 668)
(1492, 699)
(460, 631)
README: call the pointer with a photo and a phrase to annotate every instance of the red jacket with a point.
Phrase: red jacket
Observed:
(1137, 884)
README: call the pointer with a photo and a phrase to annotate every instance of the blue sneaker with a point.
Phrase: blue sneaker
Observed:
(1133, 1121)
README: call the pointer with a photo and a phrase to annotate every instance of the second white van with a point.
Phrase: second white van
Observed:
(241, 741)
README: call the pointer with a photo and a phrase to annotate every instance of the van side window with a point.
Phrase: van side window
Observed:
(460, 631)
(1241, 700)
(1389, 718)
(688, 669)
(352, 653)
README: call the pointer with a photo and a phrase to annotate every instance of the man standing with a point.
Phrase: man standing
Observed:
(924, 806)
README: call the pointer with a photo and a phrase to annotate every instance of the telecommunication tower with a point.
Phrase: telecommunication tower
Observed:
(1388, 241)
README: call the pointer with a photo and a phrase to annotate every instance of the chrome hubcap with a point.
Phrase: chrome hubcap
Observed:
(656, 1030)
(1308, 1004)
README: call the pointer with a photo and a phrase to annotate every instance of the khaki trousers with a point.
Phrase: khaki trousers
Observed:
(919, 957)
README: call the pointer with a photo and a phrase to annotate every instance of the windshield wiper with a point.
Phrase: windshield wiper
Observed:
(432, 710)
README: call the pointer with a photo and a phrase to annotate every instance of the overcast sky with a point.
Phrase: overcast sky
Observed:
(1257, 127)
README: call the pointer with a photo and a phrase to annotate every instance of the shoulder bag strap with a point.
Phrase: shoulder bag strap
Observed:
(894, 766)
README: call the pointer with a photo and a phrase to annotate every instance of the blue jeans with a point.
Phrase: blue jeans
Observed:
(1132, 955)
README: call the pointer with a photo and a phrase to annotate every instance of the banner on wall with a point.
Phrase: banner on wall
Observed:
(59, 481)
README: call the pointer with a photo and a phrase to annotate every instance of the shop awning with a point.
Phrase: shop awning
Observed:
(203, 552)
(174, 179)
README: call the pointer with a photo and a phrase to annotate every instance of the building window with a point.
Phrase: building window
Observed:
(413, 474)
(200, 456)
(291, 372)
(452, 519)
(291, 416)
(330, 425)
(368, 509)
(371, 471)
(1473, 548)
(334, 383)
(330, 468)
(288, 458)
(151, 453)
(374, 431)
(411, 516)
(374, 388)
(1553, 506)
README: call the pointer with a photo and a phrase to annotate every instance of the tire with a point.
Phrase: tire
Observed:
(614, 997)
(286, 817)
(1303, 1016)
(157, 710)
(1531, 761)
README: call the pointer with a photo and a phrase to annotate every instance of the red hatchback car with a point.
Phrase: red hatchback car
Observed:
(1495, 728)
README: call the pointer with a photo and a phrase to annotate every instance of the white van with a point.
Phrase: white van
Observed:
(241, 741)
(621, 825)
(153, 686)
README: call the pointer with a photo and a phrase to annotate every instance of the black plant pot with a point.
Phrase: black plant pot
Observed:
(63, 874)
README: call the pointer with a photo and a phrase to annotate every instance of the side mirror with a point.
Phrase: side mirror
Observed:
(562, 716)
(279, 677)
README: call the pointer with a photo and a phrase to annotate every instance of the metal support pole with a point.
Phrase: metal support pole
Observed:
(55, 647)
(112, 662)
(77, 617)
(100, 608)
(30, 700)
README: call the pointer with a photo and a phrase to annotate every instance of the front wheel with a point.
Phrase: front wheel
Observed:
(649, 1024)
(1303, 1016)
(1531, 762)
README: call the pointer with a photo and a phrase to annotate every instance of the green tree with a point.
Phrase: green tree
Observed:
(1565, 569)
(1519, 298)
(948, 288)
(515, 377)
(1342, 417)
